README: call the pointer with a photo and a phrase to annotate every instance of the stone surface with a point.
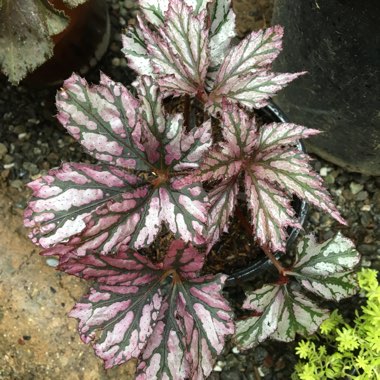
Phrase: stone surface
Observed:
(37, 339)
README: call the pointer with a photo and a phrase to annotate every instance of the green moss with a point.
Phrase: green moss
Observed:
(345, 350)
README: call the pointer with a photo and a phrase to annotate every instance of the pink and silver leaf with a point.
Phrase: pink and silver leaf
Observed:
(297, 315)
(154, 10)
(192, 332)
(326, 269)
(276, 134)
(254, 53)
(188, 151)
(252, 90)
(154, 124)
(119, 319)
(184, 211)
(179, 50)
(198, 6)
(266, 304)
(271, 212)
(184, 258)
(163, 135)
(289, 169)
(222, 30)
(136, 219)
(123, 267)
(124, 221)
(229, 158)
(239, 131)
(64, 199)
(280, 312)
(174, 322)
(222, 204)
(135, 50)
(103, 119)
(220, 163)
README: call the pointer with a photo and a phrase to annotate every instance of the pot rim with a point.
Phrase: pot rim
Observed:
(263, 263)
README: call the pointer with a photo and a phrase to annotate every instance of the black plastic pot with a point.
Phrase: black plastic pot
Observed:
(338, 43)
(275, 114)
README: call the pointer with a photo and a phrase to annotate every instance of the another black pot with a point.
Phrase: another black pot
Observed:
(338, 43)
(274, 113)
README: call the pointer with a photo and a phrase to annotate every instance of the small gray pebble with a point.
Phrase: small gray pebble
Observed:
(330, 179)
(8, 159)
(315, 217)
(361, 196)
(366, 249)
(366, 219)
(259, 354)
(3, 150)
(356, 187)
(328, 234)
(129, 4)
(17, 184)
(232, 374)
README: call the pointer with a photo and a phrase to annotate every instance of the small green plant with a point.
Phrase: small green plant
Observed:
(343, 350)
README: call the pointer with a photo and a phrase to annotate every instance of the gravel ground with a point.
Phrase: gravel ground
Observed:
(32, 142)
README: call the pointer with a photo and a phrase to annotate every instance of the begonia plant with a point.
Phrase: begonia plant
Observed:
(160, 171)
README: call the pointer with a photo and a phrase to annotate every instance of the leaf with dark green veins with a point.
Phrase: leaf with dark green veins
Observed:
(179, 51)
(173, 321)
(81, 208)
(281, 314)
(325, 269)
(222, 29)
(273, 169)
(135, 50)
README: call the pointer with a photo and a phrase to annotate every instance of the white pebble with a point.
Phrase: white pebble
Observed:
(356, 187)
(324, 171)
(52, 262)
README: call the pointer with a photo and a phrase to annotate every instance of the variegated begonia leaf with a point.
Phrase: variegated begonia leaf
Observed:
(134, 48)
(74, 3)
(244, 76)
(174, 322)
(274, 169)
(87, 207)
(154, 10)
(324, 269)
(189, 49)
(280, 312)
(178, 51)
(222, 204)
(222, 29)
